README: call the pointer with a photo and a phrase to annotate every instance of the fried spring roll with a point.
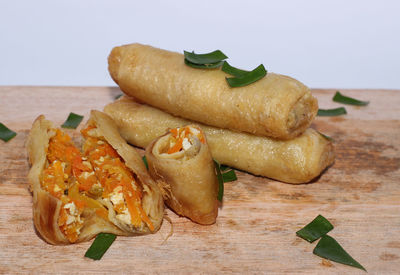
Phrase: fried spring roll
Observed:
(276, 106)
(73, 201)
(293, 161)
(181, 160)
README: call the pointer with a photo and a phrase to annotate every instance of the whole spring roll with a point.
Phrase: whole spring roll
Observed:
(72, 201)
(275, 106)
(181, 160)
(293, 161)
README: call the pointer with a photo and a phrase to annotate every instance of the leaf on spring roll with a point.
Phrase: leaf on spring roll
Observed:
(100, 245)
(220, 181)
(226, 67)
(118, 96)
(315, 229)
(332, 112)
(204, 66)
(330, 249)
(72, 121)
(229, 176)
(145, 162)
(326, 137)
(207, 58)
(5, 133)
(248, 78)
(338, 97)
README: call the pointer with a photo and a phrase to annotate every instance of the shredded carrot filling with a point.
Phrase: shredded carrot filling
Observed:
(65, 175)
(118, 182)
(182, 134)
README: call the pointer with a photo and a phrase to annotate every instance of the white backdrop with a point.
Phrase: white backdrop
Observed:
(327, 44)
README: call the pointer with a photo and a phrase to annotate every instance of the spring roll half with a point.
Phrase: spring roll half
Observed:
(72, 202)
(293, 161)
(275, 106)
(180, 159)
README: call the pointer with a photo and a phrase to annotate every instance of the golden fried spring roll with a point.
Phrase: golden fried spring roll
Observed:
(275, 106)
(181, 160)
(294, 161)
(70, 199)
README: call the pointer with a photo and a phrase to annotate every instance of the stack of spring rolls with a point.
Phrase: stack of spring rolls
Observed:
(262, 128)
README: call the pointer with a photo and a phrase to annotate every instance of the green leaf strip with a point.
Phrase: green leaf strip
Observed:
(338, 97)
(326, 137)
(232, 70)
(207, 58)
(145, 162)
(72, 121)
(332, 112)
(330, 249)
(204, 66)
(100, 245)
(315, 229)
(5, 133)
(248, 78)
(229, 176)
(220, 181)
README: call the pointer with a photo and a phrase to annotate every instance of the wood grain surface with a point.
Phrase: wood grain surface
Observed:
(255, 229)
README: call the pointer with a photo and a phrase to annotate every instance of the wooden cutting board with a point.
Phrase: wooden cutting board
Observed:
(255, 229)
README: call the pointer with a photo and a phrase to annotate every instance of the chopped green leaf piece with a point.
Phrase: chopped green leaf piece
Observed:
(5, 133)
(145, 162)
(220, 181)
(207, 58)
(315, 229)
(248, 78)
(232, 70)
(332, 112)
(326, 137)
(118, 96)
(229, 176)
(204, 66)
(100, 245)
(224, 167)
(72, 121)
(330, 249)
(338, 97)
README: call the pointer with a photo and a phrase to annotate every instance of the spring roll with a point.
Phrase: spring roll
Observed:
(293, 161)
(71, 201)
(180, 159)
(275, 106)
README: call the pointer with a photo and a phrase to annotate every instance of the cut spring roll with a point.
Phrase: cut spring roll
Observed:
(72, 202)
(180, 160)
(276, 106)
(293, 161)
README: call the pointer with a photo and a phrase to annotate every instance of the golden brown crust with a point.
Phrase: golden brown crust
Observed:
(190, 179)
(46, 208)
(294, 161)
(276, 106)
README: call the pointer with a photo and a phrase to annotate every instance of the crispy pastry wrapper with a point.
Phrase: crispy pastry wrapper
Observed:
(276, 106)
(46, 208)
(293, 161)
(187, 177)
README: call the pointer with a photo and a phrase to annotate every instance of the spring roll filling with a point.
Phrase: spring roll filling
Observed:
(180, 143)
(118, 186)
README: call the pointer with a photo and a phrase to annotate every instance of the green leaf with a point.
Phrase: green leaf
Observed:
(330, 249)
(338, 97)
(248, 78)
(100, 245)
(72, 121)
(232, 70)
(145, 162)
(326, 137)
(315, 229)
(332, 112)
(207, 58)
(220, 181)
(229, 176)
(204, 66)
(118, 96)
(5, 133)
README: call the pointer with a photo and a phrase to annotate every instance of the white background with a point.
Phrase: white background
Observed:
(325, 44)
